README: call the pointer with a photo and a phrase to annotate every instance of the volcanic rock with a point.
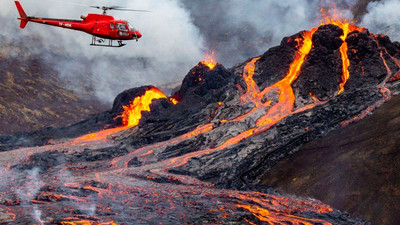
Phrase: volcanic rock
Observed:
(322, 72)
(327, 37)
(201, 80)
(367, 64)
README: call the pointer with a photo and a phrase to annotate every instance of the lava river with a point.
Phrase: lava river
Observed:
(135, 187)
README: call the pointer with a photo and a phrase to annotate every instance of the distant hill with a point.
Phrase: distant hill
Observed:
(32, 94)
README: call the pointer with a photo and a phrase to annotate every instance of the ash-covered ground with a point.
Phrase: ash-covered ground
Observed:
(200, 161)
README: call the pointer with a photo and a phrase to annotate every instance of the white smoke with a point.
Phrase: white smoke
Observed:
(37, 214)
(29, 190)
(64, 176)
(32, 186)
(6, 177)
(278, 18)
(383, 17)
(239, 29)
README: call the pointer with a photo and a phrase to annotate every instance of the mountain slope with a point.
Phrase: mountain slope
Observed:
(32, 95)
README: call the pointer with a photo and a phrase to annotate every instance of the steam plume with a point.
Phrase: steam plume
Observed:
(383, 17)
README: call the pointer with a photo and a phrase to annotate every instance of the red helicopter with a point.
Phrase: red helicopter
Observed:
(101, 26)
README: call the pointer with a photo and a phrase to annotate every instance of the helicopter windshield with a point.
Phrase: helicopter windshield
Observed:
(130, 27)
(121, 26)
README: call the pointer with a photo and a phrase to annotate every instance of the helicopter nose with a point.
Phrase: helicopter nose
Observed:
(138, 34)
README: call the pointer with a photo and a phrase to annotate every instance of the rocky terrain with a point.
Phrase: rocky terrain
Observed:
(201, 160)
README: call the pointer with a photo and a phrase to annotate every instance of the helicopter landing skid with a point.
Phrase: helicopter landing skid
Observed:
(100, 42)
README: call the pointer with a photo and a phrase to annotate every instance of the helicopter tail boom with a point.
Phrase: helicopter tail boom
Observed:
(23, 16)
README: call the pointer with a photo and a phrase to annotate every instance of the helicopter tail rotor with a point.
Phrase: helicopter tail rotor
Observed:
(23, 17)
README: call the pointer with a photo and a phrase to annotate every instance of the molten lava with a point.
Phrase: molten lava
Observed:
(133, 112)
(86, 222)
(210, 60)
(173, 100)
(395, 78)
(130, 117)
(347, 28)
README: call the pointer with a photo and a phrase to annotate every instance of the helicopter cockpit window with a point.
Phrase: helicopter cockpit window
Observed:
(130, 27)
(112, 26)
(121, 26)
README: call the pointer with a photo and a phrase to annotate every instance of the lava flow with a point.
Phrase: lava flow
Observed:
(130, 117)
(133, 112)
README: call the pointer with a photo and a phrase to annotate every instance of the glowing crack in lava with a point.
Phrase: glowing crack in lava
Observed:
(210, 60)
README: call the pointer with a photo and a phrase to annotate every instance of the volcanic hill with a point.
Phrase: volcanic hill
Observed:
(200, 155)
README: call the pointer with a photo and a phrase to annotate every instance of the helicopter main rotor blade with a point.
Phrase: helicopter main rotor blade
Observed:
(72, 3)
(119, 8)
(130, 10)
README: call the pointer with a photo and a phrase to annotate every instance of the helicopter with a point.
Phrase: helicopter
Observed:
(102, 27)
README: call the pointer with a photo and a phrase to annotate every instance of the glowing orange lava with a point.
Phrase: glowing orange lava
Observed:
(210, 60)
(130, 117)
(133, 112)
(173, 101)
(86, 222)
(273, 218)
(101, 135)
(287, 98)
(395, 78)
